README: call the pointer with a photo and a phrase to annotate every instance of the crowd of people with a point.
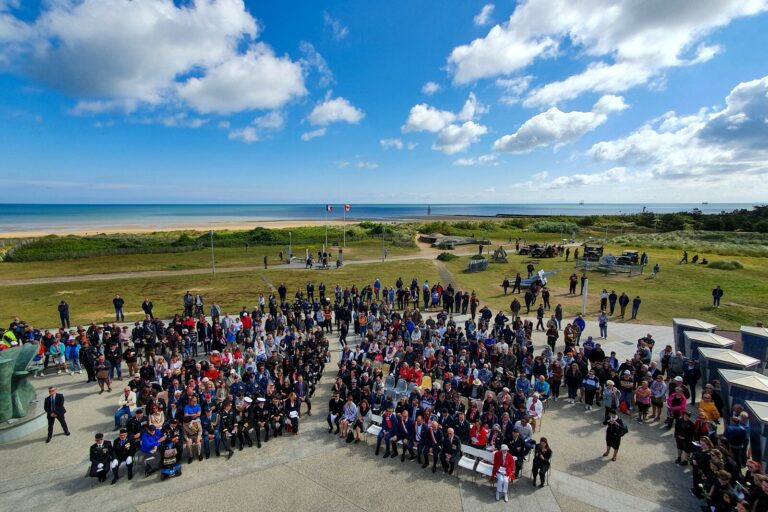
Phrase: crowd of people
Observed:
(196, 386)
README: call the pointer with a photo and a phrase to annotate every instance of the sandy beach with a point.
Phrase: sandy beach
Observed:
(217, 226)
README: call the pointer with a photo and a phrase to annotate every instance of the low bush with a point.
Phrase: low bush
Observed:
(446, 256)
(546, 226)
(726, 265)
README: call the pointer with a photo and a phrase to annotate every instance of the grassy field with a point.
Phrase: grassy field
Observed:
(92, 300)
(225, 257)
(678, 291)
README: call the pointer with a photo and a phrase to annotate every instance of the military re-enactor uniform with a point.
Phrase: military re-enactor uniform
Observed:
(261, 420)
(101, 457)
(228, 428)
(123, 451)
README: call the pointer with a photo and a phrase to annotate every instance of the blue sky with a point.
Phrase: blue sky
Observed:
(117, 101)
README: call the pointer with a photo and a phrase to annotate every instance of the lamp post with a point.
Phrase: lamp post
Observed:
(213, 254)
(584, 297)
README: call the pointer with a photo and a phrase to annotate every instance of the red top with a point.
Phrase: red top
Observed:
(508, 463)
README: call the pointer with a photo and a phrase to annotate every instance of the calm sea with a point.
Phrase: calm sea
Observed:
(53, 218)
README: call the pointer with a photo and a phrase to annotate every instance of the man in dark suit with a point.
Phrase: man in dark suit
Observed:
(405, 433)
(54, 410)
(434, 444)
(451, 451)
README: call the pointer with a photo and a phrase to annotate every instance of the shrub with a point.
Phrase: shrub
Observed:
(547, 226)
(446, 256)
(726, 265)
(478, 257)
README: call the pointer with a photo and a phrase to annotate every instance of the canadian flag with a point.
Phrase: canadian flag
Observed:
(328, 208)
(347, 207)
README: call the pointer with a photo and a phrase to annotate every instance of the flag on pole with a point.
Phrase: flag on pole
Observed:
(328, 208)
(347, 207)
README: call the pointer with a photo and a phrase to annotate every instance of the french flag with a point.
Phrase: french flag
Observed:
(347, 207)
(328, 208)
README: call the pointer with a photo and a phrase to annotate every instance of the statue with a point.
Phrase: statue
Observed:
(16, 392)
(499, 255)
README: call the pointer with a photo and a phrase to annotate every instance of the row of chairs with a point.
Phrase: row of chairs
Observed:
(474, 460)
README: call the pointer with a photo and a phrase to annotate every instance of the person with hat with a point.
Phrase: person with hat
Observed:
(503, 471)
(193, 429)
(261, 420)
(126, 405)
(244, 411)
(100, 457)
(676, 403)
(123, 449)
(149, 445)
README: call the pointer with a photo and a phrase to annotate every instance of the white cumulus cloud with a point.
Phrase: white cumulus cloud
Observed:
(484, 16)
(425, 118)
(306, 136)
(122, 55)
(335, 110)
(391, 144)
(491, 160)
(430, 88)
(709, 148)
(455, 138)
(247, 134)
(252, 81)
(557, 127)
(626, 43)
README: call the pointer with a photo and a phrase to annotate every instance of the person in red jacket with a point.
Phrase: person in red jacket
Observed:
(503, 471)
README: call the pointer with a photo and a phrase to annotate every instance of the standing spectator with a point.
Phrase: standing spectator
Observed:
(635, 306)
(623, 302)
(102, 368)
(518, 282)
(73, 355)
(504, 284)
(602, 321)
(147, 306)
(612, 298)
(613, 434)
(64, 314)
(189, 302)
(541, 460)
(691, 377)
(54, 410)
(118, 302)
(572, 280)
(559, 316)
(604, 300)
(717, 294)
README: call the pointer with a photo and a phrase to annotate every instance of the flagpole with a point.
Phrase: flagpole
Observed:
(326, 228)
(344, 227)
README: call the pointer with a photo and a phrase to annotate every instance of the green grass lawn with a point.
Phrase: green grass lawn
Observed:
(678, 291)
(225, 257)
(92, 300)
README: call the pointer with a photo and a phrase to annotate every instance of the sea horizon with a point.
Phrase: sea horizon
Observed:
(68, 217)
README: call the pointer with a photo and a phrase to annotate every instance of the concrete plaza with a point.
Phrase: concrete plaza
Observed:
(316, 471)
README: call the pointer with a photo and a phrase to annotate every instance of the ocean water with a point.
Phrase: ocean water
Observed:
(56, 218)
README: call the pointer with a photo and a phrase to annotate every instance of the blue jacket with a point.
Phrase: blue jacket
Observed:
(150, 441)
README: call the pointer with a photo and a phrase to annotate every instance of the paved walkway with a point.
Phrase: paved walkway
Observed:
(315, 471)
